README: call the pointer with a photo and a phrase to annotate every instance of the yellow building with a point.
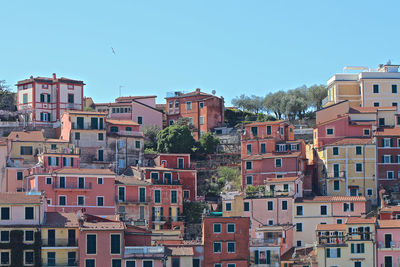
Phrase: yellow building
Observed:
(368, 88)
(349, 168)
(349, 244)
(60, 239)
(232, 204)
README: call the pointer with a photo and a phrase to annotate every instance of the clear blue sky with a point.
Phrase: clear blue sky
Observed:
(233, 47)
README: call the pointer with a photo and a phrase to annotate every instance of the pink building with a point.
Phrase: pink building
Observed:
(140, 109)
(388, 243)
(43, 100)
(270, 151)
(70, 189)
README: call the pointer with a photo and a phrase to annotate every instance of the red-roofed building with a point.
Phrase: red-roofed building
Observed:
(43, 100)
(205, 111)
(270, 151)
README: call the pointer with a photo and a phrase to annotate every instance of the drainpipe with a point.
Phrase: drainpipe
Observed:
(364, 169)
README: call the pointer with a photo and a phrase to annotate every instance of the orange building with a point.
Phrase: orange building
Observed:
(205, 111)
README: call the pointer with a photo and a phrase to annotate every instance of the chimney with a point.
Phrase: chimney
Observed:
(54, 76)
(31, 77)
(197, 90)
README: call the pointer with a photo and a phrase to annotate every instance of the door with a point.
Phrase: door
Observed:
(336, 170)
(180, 163)
(388, 240)
(353, 192)
(167, 178)
(121, 194)
(100, 155)
(388, 261)
(94, 123)
(72, 258)
(51, 237)
(62, 182)
(142, 194)
(71, 237)
(80, 122)
(81, 182)
(141, 212)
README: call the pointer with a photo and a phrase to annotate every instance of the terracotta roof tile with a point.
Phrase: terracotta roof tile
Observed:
(181, 251)
(359, 220)
(331, 227)
(35, 136)
(264, 123)
(130, 98)
(122, 122)
(332, 199)
(388, 132)
(61, 219)
(131, 180)
(369, 109)
(390, 209)
(78, 112)
(273, 155)
(84, 171)
(281, 180)
(352, 141)
(389, 223)
(19, 198)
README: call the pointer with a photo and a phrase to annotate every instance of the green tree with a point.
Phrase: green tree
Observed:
(175, 139)
(7, 98)
(88, 108)
(316, 94)
(229, 177)
(193, 211)
(150, 135)
(274, 103)
(208, 143)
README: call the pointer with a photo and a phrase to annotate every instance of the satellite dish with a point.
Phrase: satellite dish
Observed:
(213, 92)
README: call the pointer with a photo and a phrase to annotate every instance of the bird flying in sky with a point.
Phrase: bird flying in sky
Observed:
(112, 49)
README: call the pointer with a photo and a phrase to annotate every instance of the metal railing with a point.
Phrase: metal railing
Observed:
(86, 126)
(60, 242)
(266, 241)
(326, 100)
(132, 200)
(130, 133)
(332, 175)
(144, 250)
(73, 186)
(389, 245)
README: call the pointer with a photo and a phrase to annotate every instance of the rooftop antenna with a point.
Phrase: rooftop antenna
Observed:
(120, 87)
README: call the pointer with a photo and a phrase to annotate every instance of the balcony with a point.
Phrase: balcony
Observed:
(270, 194)
(335, 175)
(146, 252)
(73, 186)
(365, 236)
(331, 241)
(327, 101)
(166, 182)
(86, 126)
(129, 133)
(130, 201)
(63, 151)
(72, 106)
(60, 242)
(388, 246)
(267, 242)
(158, 219)
(173, 111)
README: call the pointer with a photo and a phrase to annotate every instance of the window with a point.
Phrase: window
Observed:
(339, 221)
(231, 247)
(137, 144)
(5, 213)
(263, 149)
(154, 176)
(359, 167)
(270, 205)
(5, 236)
(336, 185)
(62, 200)
(366, 132)
(28, 257)
(81, 200)
(348, 207)
(284, 205)
(381, 121)
(278, 163)
(20, 176)
(29, 213)
(217, 248)
(228, 206)
(25, 97)
(376, 104)
(394, 104)
(142, 194)
(174, 194)
(231, 228)
(90, 263)
(324, 210)
(335, 151)
(175, 262)
(246, 206)
(249, 180)
(299, 227)
(370, 192)
(376, 88)
(299, 210)
(100, 155)
(386, 159)
(91, 244)
(71, 258)
(26, 150)
(188, 105)
(99, 180)
(157, 196)
(77, 136)
(115, 244)
(249, 165)
(329, 131)
(29, 236)
(357, 248)
(181, 163)
(389, 174)
(201, 120)
(70, 98)
(130, 263)
(358, 150)
(217, 265)
(100, 137)
(217, 228)
(248, 148)
(387, 142)
(201, 104)
(269, 130)
(298, 243)
(394, 88)
(100, 201)
(333, 252)
(4, 257)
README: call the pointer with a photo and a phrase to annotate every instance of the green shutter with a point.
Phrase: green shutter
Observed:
(383, 142)
(153, 212)
(391, 142)
(57, 161)
(362, 248)
(64, 161)
(72, 162)
(352, 248)
(256, 260)
(338, 252)
(383, 159)
(268, 256)
(328, 252)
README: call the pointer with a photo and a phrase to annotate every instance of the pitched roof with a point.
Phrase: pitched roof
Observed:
(331, 227)
(181, 251)
(49, 80)
(19, 198)
(130, 98)
(122, 122)
(79, 112)
(359, 220)
(131, 180)
(387, 132)
(389, 223)
(84, 171)
(332, 199)
(262, 123)
(61, 219)
(390, 209)
(33, 136)
(355, 110)
(352, 141)
(102, 223)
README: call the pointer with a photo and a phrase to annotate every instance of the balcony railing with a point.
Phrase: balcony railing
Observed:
(60, 242)
(333, 175)
(70, 263)
(268, 194)
(130, 133)
(86, 126)
(333, 240)
(173, 111)
(144, 250)
(65, 151)
(73, 106)
(158, 218)
(326, 100)
(389, 245)
(265, 241)
(167, 182)
(133, 200)
(75, 186)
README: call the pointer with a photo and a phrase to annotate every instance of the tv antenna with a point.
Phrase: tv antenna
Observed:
(120, 87)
